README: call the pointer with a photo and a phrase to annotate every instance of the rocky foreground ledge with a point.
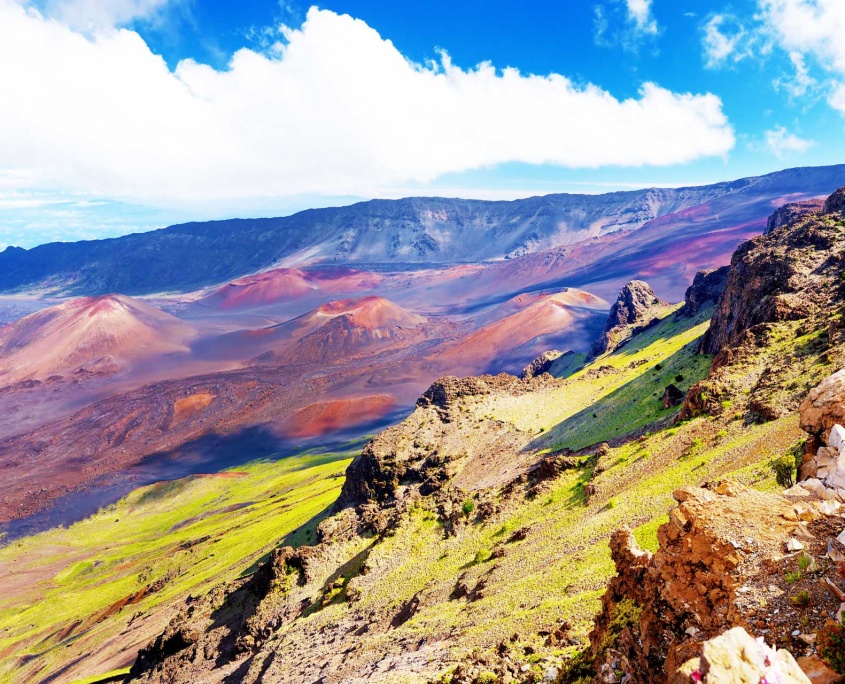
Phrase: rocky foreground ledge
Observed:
(735, 562)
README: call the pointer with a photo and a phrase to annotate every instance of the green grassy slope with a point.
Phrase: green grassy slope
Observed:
(614, 395)
(64, 590)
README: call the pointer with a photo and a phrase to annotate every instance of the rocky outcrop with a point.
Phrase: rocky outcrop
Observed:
(542, 363)
(790, 213)
(835, 204)
(636, 307)
(229, 621)
(790, 274)
(824, 407)
(402, 457)
(706, 288)
(822, 416)
(720, 558)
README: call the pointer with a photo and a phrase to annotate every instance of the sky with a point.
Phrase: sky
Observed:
(124, 115)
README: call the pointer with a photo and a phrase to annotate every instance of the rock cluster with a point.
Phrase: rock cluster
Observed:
(402, 456)
(542, 364)
(721, 557)
(706, 288)
(635, 307)
(822, 414)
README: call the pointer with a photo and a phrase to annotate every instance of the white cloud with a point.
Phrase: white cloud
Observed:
(726, 41)
(781, 142)
(811, 29)
(800, 83)
(639, 12)
(95, 15)
(624, 23)
(332, 109)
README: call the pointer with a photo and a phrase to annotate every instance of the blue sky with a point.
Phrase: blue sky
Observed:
(134, 114)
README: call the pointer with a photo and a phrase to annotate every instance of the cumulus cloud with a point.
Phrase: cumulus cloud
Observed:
(781, 142)
(331, 108)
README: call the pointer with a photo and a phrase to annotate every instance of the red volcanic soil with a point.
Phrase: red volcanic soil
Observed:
(92, 333)
(330, 416)
(535, 317)
(369, 313)
(283, 284)
(336, 330)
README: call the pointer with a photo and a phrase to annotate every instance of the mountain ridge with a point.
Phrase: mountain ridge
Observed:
(406, 232)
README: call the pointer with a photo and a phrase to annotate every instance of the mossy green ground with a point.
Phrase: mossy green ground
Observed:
(59, 587)
(615, 394)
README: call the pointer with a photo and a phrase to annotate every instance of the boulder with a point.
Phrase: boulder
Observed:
(672, 396)
(822, 414)
(706, 288)
(735, 657)
(541, 364)
(824, 407)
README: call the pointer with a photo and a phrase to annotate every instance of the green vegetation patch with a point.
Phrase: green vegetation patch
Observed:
(73, 588)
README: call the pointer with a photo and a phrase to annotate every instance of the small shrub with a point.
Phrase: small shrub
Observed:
(721, 434)
(679, 378)
(792, 577)
(625, 615)
(486, 678)
(468, 506)
(784, 470)
(481, 556)
(579, 669)
(801, 599)
(830, 644)
(611, 503)
(804, 561)
(726, 404)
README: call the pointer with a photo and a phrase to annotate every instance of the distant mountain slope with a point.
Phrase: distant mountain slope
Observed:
(96, 332)
(408, 231)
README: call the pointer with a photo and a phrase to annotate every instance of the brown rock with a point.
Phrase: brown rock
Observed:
(635, 306)
(706, 288)
(542, 364)
(672, 396)
(824, 406)
(818, 672)
(790, 213)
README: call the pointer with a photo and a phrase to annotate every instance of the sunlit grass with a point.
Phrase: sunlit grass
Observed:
(189, 535)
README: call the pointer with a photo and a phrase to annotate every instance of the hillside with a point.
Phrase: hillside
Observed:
(394, 234)
(91, 334)
(474, 541)
(472, 538)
